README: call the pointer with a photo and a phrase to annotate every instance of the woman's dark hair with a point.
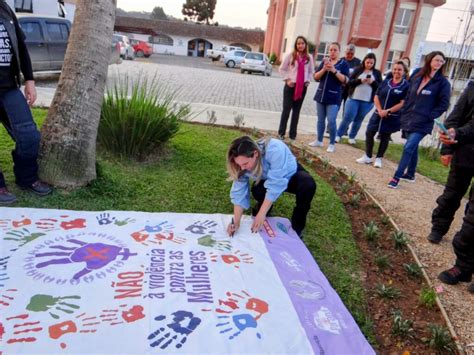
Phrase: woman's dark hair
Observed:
(426, 70)
(408, 59)
(336, 44)
(368, 56)
(295, 50)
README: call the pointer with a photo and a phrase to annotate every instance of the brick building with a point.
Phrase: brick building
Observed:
(389, 28)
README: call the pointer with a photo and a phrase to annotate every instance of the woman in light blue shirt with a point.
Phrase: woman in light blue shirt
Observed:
(274, 170)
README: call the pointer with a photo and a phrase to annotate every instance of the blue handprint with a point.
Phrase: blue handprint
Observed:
(158, 227)
(241, 322)
(183, 324)
(104, 219)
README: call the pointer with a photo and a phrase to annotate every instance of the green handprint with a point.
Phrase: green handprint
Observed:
(124, 222)
(24, 236)
(44, 303)
(210, 242)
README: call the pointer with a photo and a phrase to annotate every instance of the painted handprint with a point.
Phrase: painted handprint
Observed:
(157, 234)
(23, 236)
(104, 219)
(94, 255)
(4, 277)
(124, 222)
(47, 303)
(210, 242)
(237, 324)
(203, 227)
(163, 226)
(235, 258)
(182, 325)
(6, 224)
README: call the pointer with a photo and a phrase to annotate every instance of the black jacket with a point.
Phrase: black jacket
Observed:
(354, 81)
(22, 59)
(462, 120)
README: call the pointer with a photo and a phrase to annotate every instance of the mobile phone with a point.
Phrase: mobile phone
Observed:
(368, 76)
(441, 126)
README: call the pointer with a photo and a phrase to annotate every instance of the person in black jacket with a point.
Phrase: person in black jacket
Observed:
(363, 84)
(15, 112)
(458, 150)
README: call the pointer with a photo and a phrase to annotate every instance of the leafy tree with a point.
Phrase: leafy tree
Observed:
(199, 10)
(158, 13)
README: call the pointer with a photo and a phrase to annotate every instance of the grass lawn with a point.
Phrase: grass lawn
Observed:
(428, 162)
(192, 178)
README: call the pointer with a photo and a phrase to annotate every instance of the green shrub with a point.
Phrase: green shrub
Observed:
(382, 261)
(138, 116)
(428, 297)
(400, 239)
(371, 231)
(386, 291)
(273, 58)
(401, 327)
(413, 270)
(441, 340)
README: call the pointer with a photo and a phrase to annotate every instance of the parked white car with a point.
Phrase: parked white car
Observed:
(218, 54)
(126, 49)
(234, 58)
(256, 62)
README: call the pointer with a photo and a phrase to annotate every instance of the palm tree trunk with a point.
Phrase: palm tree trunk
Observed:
(68, 145)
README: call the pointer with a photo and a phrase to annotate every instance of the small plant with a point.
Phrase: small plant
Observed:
(385, 220)
(441, 339)
(382, 261)
(413, 270)
(352, 177)
(333, 178)
(340, 170)
(272, 58)
(345, 187)
(428, 297)
(325, 163)
(371, 231)
(401, 327)
(211, 117)
(239, 119)
(386, 291)
(354, 200)
(400, 239)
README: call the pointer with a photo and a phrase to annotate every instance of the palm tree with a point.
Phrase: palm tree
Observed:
(68, 145)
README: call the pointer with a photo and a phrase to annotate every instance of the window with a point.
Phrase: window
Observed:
(32, 31)
(393, 56)
(332, 13)
(323, 49)
(402, 22)
(284, 45)
(162, 39)
(294, 9)
(288, 11)
(61, 9)
(57, 31)
(24, 5)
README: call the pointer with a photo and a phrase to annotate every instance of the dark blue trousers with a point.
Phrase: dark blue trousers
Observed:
(15, 115)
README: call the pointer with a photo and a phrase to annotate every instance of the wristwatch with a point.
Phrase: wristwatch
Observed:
(389, 112)
(336, 72)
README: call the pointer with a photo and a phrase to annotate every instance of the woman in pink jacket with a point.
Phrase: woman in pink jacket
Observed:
(296, 70)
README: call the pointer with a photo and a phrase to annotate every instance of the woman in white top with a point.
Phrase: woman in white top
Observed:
(296, 70)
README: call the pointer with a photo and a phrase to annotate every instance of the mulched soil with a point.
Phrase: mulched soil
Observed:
(361, 211)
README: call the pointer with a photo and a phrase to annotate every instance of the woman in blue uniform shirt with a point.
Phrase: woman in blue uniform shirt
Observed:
(388, 101)
(274, 170)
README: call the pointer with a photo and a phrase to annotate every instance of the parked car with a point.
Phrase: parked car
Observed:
(256, 62)
(141, 48)
(217, 54)
(234, 58)
(126, 49)
(115, 57)
(46, 40)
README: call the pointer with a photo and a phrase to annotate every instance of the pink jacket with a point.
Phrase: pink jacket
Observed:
(288, 71)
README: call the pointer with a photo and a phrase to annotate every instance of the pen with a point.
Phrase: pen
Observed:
(233, 226)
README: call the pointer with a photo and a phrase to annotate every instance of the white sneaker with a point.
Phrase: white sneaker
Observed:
(352, 141)
(316, 143)
(331, 148)
(364, 160)
(338, 139)
(378, 163)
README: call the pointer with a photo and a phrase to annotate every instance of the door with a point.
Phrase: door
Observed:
(58, 33)
(36, 44)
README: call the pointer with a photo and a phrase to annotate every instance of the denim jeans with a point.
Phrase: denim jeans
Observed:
(329, 111)
(16, 116)
(355, 112)
(409, 158)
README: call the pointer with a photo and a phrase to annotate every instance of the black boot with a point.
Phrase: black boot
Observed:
(455, 275)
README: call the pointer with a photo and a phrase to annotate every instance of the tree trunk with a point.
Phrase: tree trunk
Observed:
(68, 144)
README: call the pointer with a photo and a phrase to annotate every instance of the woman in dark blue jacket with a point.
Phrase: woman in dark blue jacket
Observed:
(331, 74)
(427, 99)
(388, 100)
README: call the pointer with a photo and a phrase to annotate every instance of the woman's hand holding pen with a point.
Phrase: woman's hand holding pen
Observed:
(232, 228)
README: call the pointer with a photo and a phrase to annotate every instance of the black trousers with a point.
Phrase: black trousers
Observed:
(303, 186)
(369, 143)
(290, 105)
(459, 180)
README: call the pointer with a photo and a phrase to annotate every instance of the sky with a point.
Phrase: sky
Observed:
(444, 26)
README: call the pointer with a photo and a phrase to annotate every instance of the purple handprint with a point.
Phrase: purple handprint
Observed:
(183, 324)
(95, 255)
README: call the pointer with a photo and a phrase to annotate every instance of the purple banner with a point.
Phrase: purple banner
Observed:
(329, 326)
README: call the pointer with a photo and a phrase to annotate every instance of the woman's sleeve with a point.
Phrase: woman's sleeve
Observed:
(354, 79)
(378, 79)
(280, 159)
(311, 66)
(239, 192)
(442, 100)
(284, 69)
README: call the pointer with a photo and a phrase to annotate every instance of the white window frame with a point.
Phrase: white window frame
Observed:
(334, 17)
(294, 8)
(403, 26)
(320, 55)
(22, 6)
(393, 57)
